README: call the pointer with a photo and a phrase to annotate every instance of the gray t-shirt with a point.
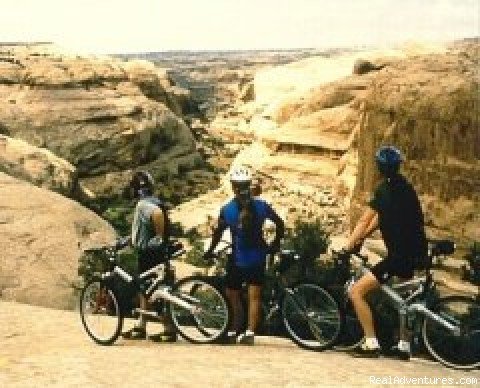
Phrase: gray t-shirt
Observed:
(142, 225)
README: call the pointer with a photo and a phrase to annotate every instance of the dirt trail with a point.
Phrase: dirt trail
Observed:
(44, 347)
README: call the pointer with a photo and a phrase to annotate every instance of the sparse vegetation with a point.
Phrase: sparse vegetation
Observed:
(195, 254)
(309, 239)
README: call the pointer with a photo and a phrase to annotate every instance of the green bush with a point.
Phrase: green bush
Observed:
(308, 239)
(195, 254)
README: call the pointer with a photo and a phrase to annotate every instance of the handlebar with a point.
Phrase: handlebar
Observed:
(342, 254)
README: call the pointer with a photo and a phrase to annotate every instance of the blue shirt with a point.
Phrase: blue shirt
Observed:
(248, 251)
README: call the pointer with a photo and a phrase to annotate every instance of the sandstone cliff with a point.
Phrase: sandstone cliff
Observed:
(322, 119)
(102, 115)
(42, 235)
(428, 106)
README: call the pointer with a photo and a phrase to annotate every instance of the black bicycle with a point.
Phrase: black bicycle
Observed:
(449, 327)
(301, 307)
(196, 307)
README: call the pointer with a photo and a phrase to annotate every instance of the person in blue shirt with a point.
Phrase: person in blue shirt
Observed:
(245, 216)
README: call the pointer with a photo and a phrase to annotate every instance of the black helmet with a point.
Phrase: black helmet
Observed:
(142, 184)
(388, 160)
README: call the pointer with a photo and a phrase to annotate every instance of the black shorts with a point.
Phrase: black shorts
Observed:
(393, 266)
(236, 276)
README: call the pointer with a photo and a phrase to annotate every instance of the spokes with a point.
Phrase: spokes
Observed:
(100, 312)
(460, 351)
(210, 315)
(311, 316)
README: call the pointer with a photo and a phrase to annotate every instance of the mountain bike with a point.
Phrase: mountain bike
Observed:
(199, 316)
(449, 326)
(300, 306)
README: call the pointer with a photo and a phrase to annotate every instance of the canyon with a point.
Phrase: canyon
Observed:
(307, 122)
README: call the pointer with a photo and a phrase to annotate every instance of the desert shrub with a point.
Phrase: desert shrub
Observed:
(308, 238)
(195, 255)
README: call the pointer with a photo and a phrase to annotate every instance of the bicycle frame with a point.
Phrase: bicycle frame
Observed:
(406, 306)
(154, 292)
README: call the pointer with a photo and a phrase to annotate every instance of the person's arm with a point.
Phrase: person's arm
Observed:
(217, 234)
(279, 228)
(365, 226)
(158, 219)
(372, 226)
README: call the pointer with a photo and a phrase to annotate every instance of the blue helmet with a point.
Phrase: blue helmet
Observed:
(388, 160)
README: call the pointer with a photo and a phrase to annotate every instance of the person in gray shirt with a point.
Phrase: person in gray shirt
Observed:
(150, 232)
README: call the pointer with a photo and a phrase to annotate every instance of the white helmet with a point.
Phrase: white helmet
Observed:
(240, 175)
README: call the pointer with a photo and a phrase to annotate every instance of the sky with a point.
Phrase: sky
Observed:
(122, 26)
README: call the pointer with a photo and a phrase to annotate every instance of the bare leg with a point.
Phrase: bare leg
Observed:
(254, 300)
(357, 294)
(237, 311)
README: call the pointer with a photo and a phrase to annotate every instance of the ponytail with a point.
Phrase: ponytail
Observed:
(247, 220)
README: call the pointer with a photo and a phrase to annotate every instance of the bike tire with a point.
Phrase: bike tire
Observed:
(92, 315)
(458, 352)
(311, 316)
(211, 322)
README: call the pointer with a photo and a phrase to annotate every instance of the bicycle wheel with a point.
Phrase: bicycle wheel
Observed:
(311, 316)
(100, 312)
(210, 318)
(351, 335)
(455, 351)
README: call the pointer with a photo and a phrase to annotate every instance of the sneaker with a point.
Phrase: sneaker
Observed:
(400, 354)
(363, 352)
(135, 333)
(247, 338)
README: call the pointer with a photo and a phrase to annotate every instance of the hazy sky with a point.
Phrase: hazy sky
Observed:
(153, 25)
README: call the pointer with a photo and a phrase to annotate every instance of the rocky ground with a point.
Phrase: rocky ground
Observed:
(44, 347)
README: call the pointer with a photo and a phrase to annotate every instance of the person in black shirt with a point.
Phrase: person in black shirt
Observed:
(396, 211)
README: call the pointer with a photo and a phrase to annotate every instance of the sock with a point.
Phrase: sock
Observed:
(404, 346)
(371, 343)
(231, 333)
(141, 323)
(249, 332)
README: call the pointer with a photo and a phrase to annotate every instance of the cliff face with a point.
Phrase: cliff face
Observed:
(322, 120)
(429, 107)
(103, 116)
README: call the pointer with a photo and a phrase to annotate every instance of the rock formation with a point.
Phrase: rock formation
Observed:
(103, 116)
(428, 106)
(322, 125)
(42, 235)
(37, 165)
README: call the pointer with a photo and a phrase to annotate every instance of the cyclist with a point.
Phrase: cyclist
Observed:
(150, 233)
(396, 211)
(245, 215)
